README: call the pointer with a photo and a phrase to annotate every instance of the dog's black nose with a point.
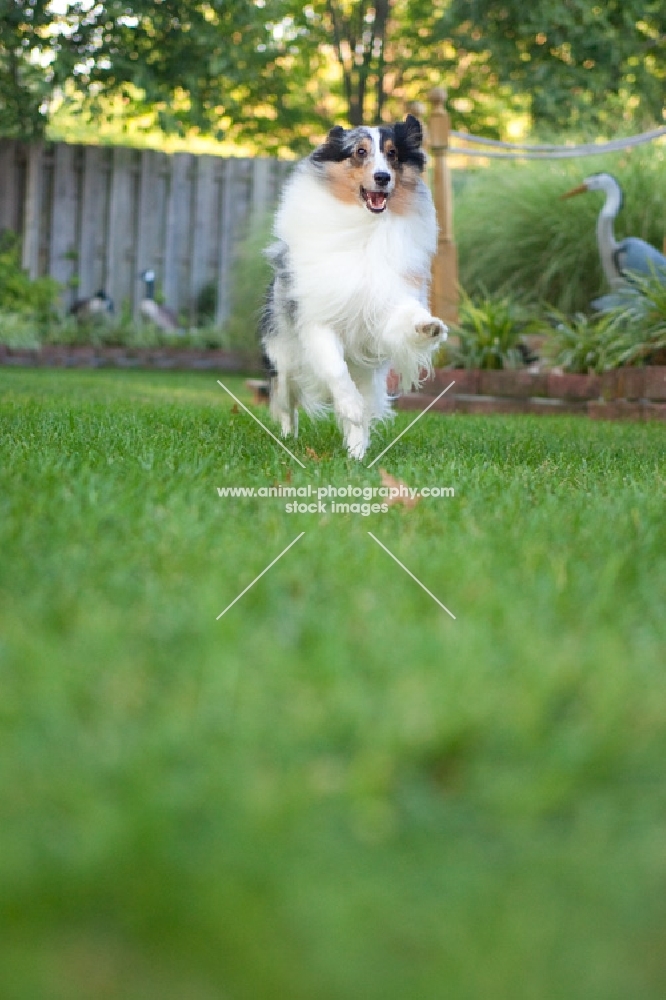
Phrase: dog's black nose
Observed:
(382, 178)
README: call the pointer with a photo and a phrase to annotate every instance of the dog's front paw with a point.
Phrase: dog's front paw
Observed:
(356, 441)
(286, 425)
(431, 329)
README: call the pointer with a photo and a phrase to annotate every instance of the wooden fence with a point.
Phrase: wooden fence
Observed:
(95, 217)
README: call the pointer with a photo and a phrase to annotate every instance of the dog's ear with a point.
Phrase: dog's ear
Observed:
(408, 142)
(334, 149)
(413, 130)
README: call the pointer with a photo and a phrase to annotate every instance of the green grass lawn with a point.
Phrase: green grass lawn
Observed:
(335, 791)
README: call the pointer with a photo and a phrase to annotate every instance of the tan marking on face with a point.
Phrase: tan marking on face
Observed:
(403, 198)
(343, 182)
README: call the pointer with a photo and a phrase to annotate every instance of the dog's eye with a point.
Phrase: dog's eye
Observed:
(361, 152)
(391, 155)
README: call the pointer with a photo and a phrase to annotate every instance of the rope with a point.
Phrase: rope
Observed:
(524, 151)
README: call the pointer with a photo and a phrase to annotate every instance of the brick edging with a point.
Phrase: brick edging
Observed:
(637, 394)
(621, 383)
(617, 409)
(622, 394)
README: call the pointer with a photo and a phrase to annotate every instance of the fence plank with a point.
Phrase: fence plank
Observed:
(261, 187)
(93, 224)
(33, 210)
(149, 215)
(204, 209)
(225, 239)
(121, 228)
(177, 240)
(62, 252)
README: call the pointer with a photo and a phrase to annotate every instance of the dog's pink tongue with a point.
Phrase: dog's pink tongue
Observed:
(377, 199)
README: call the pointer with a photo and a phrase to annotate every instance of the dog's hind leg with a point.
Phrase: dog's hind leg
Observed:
(283, 406)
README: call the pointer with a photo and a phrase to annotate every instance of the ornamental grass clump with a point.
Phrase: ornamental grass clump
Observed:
(513, 231)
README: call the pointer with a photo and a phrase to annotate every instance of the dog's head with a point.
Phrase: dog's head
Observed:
(369, 166)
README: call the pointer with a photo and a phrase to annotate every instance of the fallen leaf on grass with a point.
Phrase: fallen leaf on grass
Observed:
(287, 478)
(392, 483)
(311, 453)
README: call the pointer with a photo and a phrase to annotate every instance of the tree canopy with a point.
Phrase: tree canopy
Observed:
(276, 72)
(28, 50)
(583, 64)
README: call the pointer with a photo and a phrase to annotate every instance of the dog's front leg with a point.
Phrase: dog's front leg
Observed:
(328, 360)
(348, 403)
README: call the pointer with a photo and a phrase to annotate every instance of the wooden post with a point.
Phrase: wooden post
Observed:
(444, 291)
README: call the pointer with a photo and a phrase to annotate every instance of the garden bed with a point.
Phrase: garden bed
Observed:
(623, 394)
(88, 356)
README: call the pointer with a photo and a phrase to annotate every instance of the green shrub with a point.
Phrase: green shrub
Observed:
(206, 303)
(643, 315)
(647, 307)
(123, 331)
(488, 332)
(18, 330)
(513, 231)
(582, 344)
(250, 277)
(20, 294)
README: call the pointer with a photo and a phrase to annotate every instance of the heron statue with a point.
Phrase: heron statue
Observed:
(631, 256)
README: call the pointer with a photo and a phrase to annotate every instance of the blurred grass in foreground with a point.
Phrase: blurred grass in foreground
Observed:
(335, 791)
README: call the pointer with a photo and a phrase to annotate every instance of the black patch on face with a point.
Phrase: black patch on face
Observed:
(341, 144)
(408, 139)
(335, 149)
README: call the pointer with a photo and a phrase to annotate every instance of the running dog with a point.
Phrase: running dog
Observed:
(355, 233)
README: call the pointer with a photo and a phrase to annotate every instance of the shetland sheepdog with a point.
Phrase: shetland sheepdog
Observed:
(355, 233)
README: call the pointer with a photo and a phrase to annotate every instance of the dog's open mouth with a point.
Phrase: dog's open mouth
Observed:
(374, 200)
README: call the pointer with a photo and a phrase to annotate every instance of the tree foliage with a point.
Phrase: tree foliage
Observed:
(583, 64)
(275, 72)
(220, 66)
(27, 53)
(358, 31)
